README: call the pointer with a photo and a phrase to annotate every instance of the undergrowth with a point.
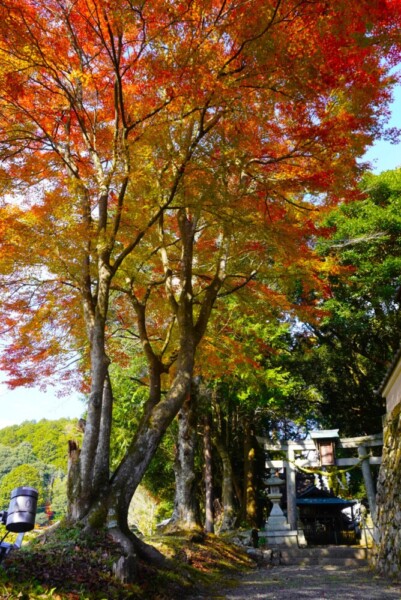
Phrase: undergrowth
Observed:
(67, 564)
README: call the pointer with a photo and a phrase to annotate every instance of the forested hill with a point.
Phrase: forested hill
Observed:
(35, 454)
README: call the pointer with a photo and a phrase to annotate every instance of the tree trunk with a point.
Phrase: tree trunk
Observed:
(91, 469)
(186, 515)
(113, 504)
(249, 506)
(222, 441)
(227, 487)
(101, 470)
(103, 500)
(207, 451)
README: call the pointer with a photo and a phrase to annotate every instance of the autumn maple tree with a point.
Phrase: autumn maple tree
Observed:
(155, 157)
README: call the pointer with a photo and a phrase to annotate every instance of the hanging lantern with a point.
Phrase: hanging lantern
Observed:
(325, 442)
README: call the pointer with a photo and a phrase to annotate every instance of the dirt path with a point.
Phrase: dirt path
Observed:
(308, 583)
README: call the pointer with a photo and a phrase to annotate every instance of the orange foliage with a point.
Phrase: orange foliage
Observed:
(117, 118)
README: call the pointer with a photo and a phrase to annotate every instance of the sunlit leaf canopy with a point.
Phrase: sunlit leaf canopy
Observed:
(116, 116)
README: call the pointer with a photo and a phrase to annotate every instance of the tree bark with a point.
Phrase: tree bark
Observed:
(101, 471)
(249, 506)
(227, 487)
(92, 467)
(186, 514)
(207, 451)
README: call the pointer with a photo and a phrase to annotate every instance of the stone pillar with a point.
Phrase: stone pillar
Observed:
(291, 489)
(367, 477)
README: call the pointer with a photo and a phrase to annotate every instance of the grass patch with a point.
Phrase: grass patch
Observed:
(68, 564)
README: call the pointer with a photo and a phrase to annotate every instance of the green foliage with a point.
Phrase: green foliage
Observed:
(159, 477)
(143, 514)
(28, 591)
(23, 475)
(59, 495)
(48, 439)
(346, 356)
(13, 457)
(129, 397)
(367, 239)
(35, 454)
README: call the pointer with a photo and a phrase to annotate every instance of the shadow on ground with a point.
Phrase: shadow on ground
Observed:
(310, 583)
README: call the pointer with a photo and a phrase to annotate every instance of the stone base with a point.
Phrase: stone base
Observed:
(277, 522)
(282, 537)
(302, 543)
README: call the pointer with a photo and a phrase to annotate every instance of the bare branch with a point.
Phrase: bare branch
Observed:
(360, 240)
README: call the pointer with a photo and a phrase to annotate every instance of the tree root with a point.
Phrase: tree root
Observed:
(123, 540)
(149, 553)
(131, 545)
(179, 527)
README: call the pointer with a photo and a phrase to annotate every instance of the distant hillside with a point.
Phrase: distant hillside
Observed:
(35, 454)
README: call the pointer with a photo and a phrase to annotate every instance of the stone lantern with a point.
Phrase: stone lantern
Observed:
(278, 530)
(276, 518)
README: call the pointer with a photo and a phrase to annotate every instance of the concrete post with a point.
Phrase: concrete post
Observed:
(291, 488)
(367, 477)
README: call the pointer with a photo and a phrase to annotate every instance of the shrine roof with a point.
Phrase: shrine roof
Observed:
(324, 434)
(327, 501)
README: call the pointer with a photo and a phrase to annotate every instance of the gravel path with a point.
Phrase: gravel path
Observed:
(308, 583)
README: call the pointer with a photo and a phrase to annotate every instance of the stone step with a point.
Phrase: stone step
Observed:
(335, 555)
(342, 562)
(340, 552)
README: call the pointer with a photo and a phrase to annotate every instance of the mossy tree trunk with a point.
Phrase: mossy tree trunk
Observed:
(249, 512)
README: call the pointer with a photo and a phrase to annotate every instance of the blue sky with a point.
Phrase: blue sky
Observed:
(30, 404)
(24, 404)
(383, 155)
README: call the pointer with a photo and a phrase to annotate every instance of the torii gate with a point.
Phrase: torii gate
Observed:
(324, 443)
